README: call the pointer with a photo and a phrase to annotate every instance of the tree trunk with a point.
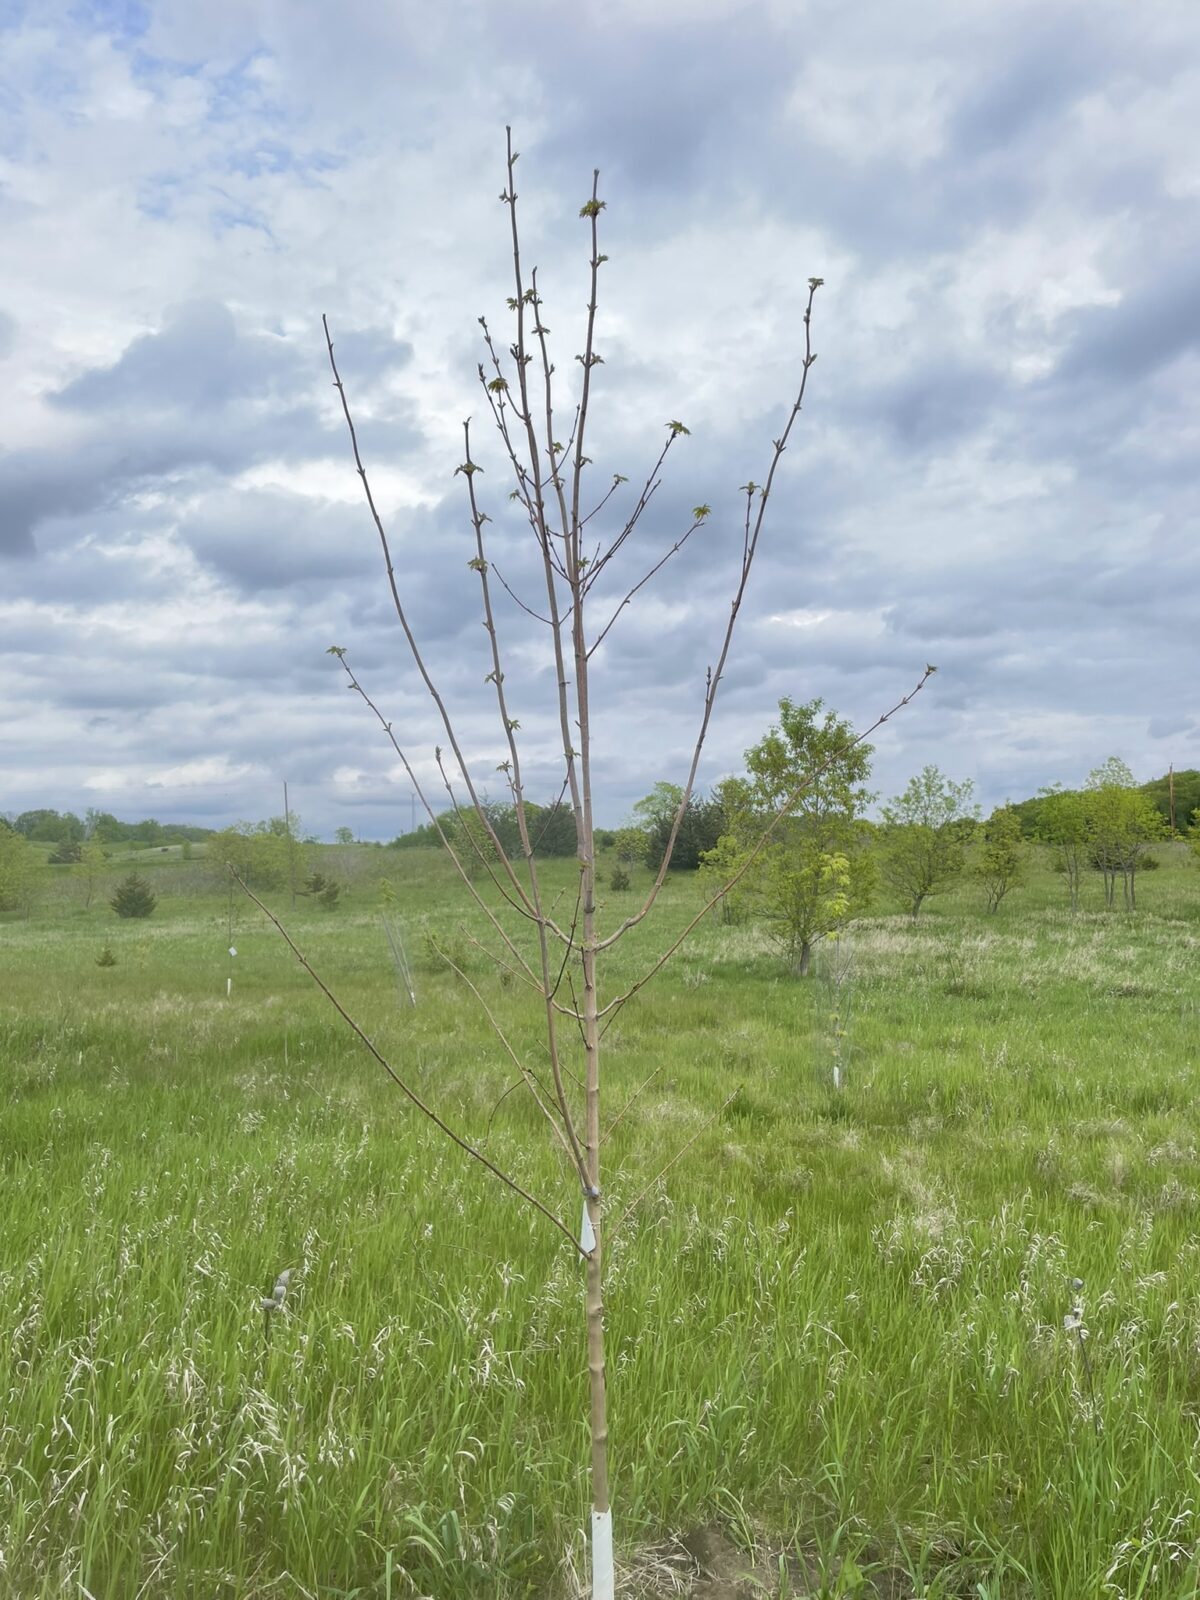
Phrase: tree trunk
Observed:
(602, 1569)
(803, 959)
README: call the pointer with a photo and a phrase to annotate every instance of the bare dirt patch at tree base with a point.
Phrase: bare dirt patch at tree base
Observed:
(706, 1565)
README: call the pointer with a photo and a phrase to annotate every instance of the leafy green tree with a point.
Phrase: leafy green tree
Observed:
(658, 807)
(1000, 865)
(324, 890)
(260, 853)
(1063, 824)
(133, 898)
(344, 836)
(1123, 823)
(631, 844)
(926, 831)
(50, 827)
(700, 827)
(90, 867)
(18, 871)
(813, 874)
(1179, 793)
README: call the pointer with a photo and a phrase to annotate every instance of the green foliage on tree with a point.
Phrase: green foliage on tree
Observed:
(925, 835)
(1122, 823)
(814, 873)
(1003, 855)
(44, 826)
(89, 868)
(65, 854)
(344, 836)
(324, 890)
(551, 831)
(18, 871)
(261, 853)
(700, 827)
(631, 845)
(1185, 786)
(1063, 824)
(134, 897)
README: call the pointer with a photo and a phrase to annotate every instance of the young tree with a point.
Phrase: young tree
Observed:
(698, 829)
(814, 875)
(926, 831)
(1000, 865)
(631, 844)
(344, 836)
(1123, 823)
(561, 957)
(260, 853)
(134, 897)
(18, 871)
(1062, 823)
(90, 868)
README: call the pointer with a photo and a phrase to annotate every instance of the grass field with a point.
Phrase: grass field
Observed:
(836, 1329)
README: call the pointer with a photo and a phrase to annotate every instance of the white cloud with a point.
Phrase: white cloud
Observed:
(986, 207)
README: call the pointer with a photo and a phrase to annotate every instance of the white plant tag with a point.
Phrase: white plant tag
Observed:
(587, 1234)
(603, 1582)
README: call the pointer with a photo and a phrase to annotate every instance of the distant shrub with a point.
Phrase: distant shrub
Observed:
(66, 854)
(324, 891)
(133, 898)
(618, 879)
(106, 958)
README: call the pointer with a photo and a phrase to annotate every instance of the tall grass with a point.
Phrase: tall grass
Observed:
(837, 1326)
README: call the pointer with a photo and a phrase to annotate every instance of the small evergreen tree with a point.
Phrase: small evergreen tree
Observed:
(133, 898)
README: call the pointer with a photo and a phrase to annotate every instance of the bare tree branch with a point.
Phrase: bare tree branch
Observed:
(653, 1184)
(429, 812)
(398, 605)
(749, 550)
(641, 583)
(574, 1156)
(616, 1121)
(409, 1093)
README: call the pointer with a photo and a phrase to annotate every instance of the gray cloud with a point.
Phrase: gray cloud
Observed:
(994, 471)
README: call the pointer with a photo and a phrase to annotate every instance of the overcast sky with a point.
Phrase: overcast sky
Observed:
(996, 469)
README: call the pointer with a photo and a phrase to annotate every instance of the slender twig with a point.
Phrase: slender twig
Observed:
(649, 489)
(641, 583)
(402, 615)
(682, 1151)
(433, 817)
(714, 679)
(575, 1156)
(409, 1093)
(516, 598)
(616, 1121)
